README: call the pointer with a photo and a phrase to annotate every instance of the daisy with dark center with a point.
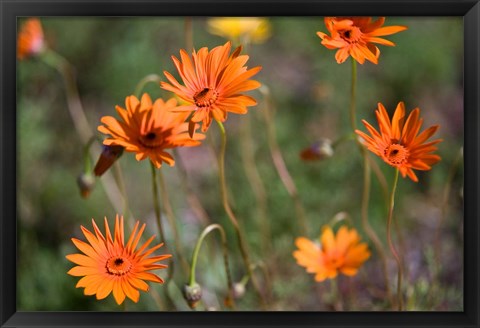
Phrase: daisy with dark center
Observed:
(355, 36)
(214, 82)
(148, 129)
(109, 265)
(399, 143)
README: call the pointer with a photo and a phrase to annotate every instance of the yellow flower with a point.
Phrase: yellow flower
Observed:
(246, 29)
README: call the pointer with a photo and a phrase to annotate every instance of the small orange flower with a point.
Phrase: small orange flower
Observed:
(148, 129)
(355, 36)
(398, 142)
(341, 253)
(108, 264)
(30, 39)
(214, 83)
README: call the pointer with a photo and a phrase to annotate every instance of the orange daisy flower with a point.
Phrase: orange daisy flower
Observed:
(398, 142)
(355, 36)
(108, 264)
(148, 129)
(30, 39)
(342, 252)
(214, 83)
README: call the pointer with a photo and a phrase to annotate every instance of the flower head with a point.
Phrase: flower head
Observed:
(108, 264)
(253, 29)
(214, 81)
(342, 252)
(399, 143)
(355, 36)
(30, 39)
(148, 129)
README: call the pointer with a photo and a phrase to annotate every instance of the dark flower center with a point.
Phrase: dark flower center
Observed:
(118, 266)
(205, 98)
(351, 35)
(396, 154)
(150, 136)
(151, 140)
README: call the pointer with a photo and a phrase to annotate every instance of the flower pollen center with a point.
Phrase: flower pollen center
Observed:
(205, 98)
(396, 154)
(151, 140)
(351, 35)
(118, 266)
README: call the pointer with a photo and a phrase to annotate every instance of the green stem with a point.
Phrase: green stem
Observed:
(196, 251)
(156, 206)
(390, 243)
(173, 221)
(368, 228)
(353, 91)
(87, 161)
(143, 82)
(256, 184)
(231, 215)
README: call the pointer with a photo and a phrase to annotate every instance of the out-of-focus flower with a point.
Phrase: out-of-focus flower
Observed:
(246, 29)
(214, 83)
(342, 252)
(149, 129)
(399, 143)
(355, 36)
(85, 182)
(108, 156)
(30, 40)
(317, 151)
(108, 264)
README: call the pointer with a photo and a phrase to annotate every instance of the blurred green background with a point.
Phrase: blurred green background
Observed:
(310, 93)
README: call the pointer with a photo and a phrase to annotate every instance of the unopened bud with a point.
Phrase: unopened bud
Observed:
(86, 183)
(238, 290)
(319, 150)
(192, 294)
(108, 156)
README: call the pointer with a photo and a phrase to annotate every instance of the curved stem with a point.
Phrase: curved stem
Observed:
(196, 251)
(79, 119)
(143, 82)
(390, 243)
(280, 165)
(241, 239)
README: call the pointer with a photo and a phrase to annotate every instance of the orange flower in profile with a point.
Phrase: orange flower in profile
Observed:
(148, 129)
(108, 264)
(355, 36)
(30, 39)
(341, 253)
(214, 82)
(398, 142)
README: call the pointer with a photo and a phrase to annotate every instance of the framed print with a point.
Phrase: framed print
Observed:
(238, 163)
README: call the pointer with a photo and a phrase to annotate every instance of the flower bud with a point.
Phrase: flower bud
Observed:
(192, 294)
(108, 156)
(86, 183)
(238, 290)
(317, 151)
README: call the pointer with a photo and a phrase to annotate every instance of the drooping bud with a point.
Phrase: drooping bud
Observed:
(86, 183)
(317, 151)
(238, 290)
(192, 294)
(108, 156)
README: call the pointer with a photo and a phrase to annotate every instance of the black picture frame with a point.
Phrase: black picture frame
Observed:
(10, 10)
